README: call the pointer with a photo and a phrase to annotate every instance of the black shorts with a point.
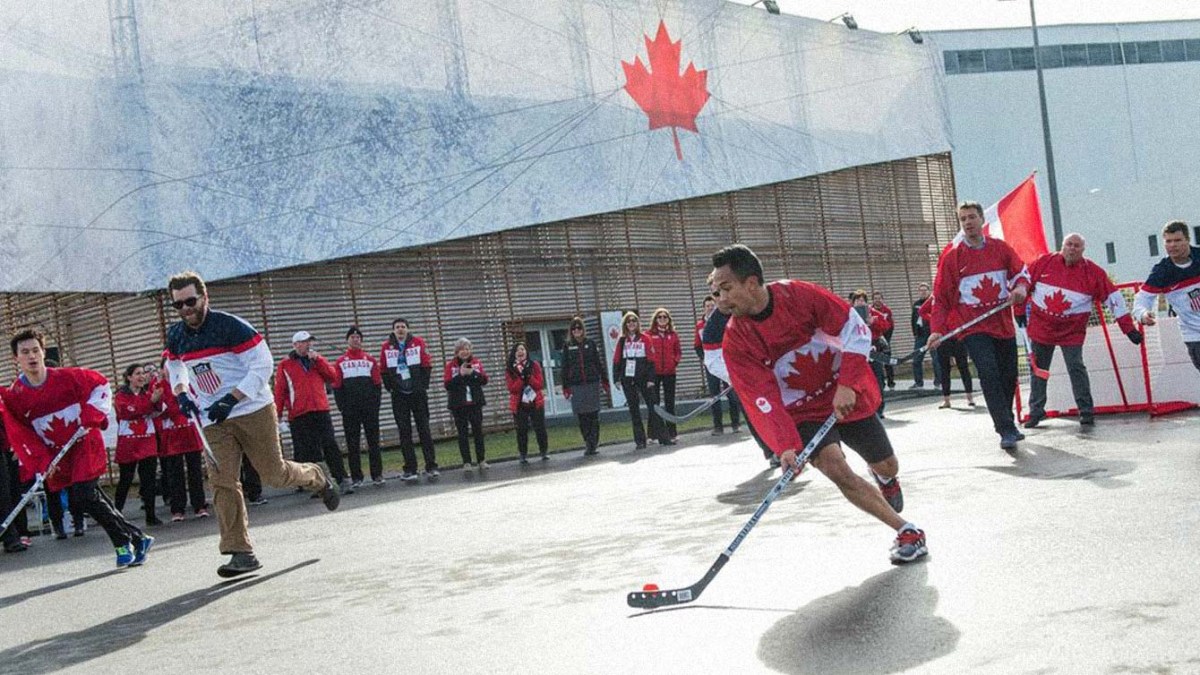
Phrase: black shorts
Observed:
(867, 437)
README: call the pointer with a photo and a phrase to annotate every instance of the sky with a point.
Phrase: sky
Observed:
(897, 15)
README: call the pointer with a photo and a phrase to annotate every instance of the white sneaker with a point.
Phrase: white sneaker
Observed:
(467, 466)
(483, 465)
(378, 481)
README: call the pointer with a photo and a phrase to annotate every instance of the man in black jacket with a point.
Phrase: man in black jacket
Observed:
(920, 331)
(406, 366)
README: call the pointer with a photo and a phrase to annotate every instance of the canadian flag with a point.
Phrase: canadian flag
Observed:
(1017, 219)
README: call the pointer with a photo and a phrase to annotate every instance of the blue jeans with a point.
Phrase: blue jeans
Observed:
(919, 365)
(714, 387)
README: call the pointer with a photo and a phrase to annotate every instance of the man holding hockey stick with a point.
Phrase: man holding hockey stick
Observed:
(797, 353)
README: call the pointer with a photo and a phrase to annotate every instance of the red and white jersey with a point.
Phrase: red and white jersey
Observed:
(40, 420)
(1062, 298)
(356, 363)
(786, 363)
(223, 354)
(177, 435)
(971, 281)
(135, 424)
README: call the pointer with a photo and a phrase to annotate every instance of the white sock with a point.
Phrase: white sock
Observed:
(881, 479)
(908, 526)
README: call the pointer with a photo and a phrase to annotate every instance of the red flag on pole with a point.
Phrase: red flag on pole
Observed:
(1017, 219)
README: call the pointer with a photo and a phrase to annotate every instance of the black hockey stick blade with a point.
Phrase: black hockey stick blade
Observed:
(676, 419)
(656, 599)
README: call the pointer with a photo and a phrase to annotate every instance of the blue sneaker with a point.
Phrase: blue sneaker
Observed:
(141, 549)
(909, 546)
(124, 556)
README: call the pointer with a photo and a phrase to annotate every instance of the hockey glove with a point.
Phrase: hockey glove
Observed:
(186, 405)
(1135, 336)
(218, 411)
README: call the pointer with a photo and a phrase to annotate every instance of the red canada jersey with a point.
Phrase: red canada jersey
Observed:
(356, 363)
(136, 439)
(970, 281)
(881, 324)
(40, 420)
(785, 364)
(177, 435)
(1062, 297)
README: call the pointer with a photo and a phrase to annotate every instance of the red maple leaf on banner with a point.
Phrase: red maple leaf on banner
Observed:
(58, 431)
(987, 292)
(1057, 304)
(812, 373)
(668, 98)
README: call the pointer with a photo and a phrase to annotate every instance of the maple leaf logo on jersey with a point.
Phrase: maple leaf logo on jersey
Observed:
(668, 98)
(57, 428)
(806, 373)
(1057, 304)
(987, 292)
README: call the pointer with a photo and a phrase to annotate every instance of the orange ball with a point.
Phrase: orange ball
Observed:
(650, 588)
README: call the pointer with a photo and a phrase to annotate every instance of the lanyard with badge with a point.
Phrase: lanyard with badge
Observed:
(633, 351)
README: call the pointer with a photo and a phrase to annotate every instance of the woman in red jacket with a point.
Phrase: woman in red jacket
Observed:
(633, 369)
(179, 448)
(526, 399)
(667, 354)
(464, 380)
(137, 447)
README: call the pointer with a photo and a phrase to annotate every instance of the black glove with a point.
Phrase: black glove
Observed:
(1021, 321)
(186, 404)
(218, 411)
(1135, 336)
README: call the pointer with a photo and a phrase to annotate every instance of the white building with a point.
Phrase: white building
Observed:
(1122, 101)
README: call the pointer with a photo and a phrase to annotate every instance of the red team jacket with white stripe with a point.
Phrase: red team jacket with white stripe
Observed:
(300, 387)
(970, 281)
(786, 363)
(135, 424)
(1062, 297)
(40, 420)
(176, 433)
(223, 354)
(1181, 285)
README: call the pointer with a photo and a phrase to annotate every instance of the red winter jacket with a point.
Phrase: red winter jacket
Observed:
(300, 390)
(530, 376)
(880, 326)
(177, 435)
(667, 352)
(135, 424)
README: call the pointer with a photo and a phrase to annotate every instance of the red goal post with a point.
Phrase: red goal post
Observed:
(1155, 377)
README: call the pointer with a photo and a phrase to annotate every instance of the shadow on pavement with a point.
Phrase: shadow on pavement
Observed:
(885, 625)
(746, 496)
(70, 649)
(1045, 463)
(18, 598)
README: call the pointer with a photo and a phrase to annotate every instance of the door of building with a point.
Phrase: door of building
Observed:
(545, 344)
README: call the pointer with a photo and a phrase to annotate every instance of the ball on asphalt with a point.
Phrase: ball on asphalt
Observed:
(650, 588)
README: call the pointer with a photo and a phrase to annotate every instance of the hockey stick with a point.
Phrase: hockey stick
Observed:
(708, 403)
(208, 452)
(920, 353)
(41, 478)
(653, 599)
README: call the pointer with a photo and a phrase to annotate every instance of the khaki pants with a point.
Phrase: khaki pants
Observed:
(257, 437)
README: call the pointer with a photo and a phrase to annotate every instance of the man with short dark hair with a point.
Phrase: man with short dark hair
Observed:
(974, 276)
(798, 353)
(920, 329)
(357, 391)
(712, 326)
(1176, 276)
(406, 368)
(218, 362)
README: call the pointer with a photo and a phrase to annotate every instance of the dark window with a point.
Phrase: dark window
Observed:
(1174, 50)
(1075, 55)
(951, 59)
(1153, 240)
(1111, 249)
(971, 61)
(998, 59)
(1149, 52)
(1100, 54)
(1051, 56)
(1195, 233)
(1193, 49)
(1130, 51)
(1022, 58)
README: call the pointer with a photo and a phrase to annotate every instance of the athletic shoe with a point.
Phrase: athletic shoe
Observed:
(484, 465)
(140, 550)
(467, 466)
(178, 517)
(1008, 441)
(153, 520)
(124, 556)
(17, 546)
(717, 432)
(1034, 421)
(774, 461)
(891, 492)
(432, 473)
(669, 441)
(909, 545)
(377, 482)
(256, 501)
(545, 457)
(241, 563)
(1020, 436)
(524, 461)
(79, 532)
(328, 494)
(736, 429)
(202, 512)
(1087, 420)
(590, 452)
(356, 484)
(917, 385)
(639, 446)
(60, 535)
(409, 477)
(346, 487)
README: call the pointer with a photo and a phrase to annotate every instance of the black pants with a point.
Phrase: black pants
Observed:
(468, 420)
(88, 498)
(1081, 386)
(357, 420)
(251, 482)
(889, 370)
(666, 389)
(943, 353)
(10, 494)
(146, 471)
(635, 392)
(408, 409)
(312, 436)
(526, 417)
(996, 362)
(880, 376)
(179, 487)
(715, 385)
(589, 428)
(54, 508)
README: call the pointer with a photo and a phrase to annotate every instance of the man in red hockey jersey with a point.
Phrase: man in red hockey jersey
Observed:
(797, 353)
(42, 411)
(1064, 286)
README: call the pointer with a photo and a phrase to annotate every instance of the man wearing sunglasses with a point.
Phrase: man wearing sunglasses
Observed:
(219, 363)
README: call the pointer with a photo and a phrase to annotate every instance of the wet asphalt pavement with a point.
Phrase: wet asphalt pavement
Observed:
(1078, 555)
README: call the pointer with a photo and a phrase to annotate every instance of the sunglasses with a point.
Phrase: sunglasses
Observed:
(576, 327)
(189, 302)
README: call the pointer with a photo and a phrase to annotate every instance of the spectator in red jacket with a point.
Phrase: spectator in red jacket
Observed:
(880, 326)
(633, 368)
(526, 383)
(300, 383)
(667, 354)
(179, 448)
(137, 447)
(464, 379)
(877, 305)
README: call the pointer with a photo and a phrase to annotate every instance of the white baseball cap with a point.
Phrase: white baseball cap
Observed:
(302, 336)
